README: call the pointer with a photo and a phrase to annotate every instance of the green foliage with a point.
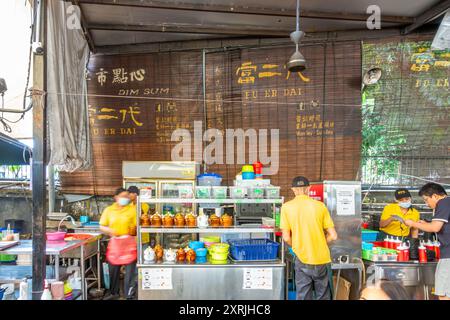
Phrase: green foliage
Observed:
(411, 98)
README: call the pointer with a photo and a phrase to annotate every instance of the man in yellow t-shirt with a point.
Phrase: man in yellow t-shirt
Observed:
(307, 227)
(394, 214)
(117, 220)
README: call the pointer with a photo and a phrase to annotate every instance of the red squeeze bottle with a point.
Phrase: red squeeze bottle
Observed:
(401, 253)
(406, 251)
(422, 253)
(386, 242)
(437, 249)
(389, 243)
(396, 243)
(429, 245)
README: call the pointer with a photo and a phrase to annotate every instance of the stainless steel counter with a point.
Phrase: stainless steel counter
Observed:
(418, 278)
(212, 282)
(57, 248)
(247, 264)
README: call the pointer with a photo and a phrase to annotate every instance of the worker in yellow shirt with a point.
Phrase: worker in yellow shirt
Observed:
(117, 220)
(307, 226)
(392, 221)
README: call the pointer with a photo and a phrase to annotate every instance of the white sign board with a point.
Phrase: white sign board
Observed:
(258, 278)
(345, 201)
(157, 279)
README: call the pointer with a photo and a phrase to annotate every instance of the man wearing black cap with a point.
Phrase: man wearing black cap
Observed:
(307, 227)
(134, 192)
(392, 221)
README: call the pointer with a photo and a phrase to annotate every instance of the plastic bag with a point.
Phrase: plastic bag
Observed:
(121, 250)
(106, 275)
(75, 281)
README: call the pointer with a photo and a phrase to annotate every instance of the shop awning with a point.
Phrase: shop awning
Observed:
(13, 152)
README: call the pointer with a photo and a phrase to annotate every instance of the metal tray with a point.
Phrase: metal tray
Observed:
(251, 261)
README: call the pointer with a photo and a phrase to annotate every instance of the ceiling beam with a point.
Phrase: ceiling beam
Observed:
(215, 44)
(201, 7)
(197, 29)
(429, 15)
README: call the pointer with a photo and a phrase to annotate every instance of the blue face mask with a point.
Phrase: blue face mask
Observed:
(123, 201)
(405, 205)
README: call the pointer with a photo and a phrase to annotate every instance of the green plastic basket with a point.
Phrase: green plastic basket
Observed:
(368, 254)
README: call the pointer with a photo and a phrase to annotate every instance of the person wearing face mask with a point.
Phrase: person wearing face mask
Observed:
(394, 214)
(436, 198)
(119, 219)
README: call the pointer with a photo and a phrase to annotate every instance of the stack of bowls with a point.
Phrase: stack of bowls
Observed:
(248, 172)
(194, 245)
(200, 255)
(209, 241)
(218, 253)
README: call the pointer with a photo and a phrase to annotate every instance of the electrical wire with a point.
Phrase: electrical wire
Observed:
(363, 269)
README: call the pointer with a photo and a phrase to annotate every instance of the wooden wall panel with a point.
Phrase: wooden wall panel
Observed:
(136, 101)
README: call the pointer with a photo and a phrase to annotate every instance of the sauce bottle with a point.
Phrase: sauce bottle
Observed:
(437, 249)
(429, 245)
(401, 255)
(422, 253)
(386, 242)
(396, 243)
(390, 242)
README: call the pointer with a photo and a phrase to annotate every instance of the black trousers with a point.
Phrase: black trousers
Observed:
(312, 278)
(114, 276)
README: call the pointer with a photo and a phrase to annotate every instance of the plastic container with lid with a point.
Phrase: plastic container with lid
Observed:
(392, 257)
(256, 192)
(209, 179)
(272, 192)
(203, 192)
(185, 192)
(238, 192)
(219, 192)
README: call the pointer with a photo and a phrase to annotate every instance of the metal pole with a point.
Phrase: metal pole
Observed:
(51, 188)
(39, 156)
(204, 101)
